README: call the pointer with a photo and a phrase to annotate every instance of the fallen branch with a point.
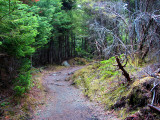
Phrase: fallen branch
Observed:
(154, 108)
(155, 86)
(154, 92)
(121, 67)
(155, 74)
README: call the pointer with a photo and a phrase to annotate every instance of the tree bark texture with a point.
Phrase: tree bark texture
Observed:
(121, 67)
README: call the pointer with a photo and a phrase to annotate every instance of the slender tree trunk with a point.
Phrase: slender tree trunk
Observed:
(144, 37)
(136, 5)
(31, 60)
(60, 50)
(68, 48)
(9, 6)
(74, 47)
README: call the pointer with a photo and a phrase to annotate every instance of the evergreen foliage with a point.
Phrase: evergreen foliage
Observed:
(18, 31)
(40, 32)
(40, 26)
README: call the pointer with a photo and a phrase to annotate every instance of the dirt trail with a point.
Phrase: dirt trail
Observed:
(67, 102)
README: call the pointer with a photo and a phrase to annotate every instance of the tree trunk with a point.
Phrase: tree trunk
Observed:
(124, 72)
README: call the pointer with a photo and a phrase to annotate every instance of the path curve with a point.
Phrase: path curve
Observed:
(67, 102)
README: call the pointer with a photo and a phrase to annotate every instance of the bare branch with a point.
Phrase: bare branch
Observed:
(123, 70)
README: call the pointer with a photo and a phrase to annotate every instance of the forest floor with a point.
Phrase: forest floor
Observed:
(66, 102)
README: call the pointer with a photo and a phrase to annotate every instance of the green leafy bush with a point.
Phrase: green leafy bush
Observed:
(4, 104)
(24, 79)
(19, 90)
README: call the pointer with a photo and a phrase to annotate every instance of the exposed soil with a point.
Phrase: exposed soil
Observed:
(65, 102)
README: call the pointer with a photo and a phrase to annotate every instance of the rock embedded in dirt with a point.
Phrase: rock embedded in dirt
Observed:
(70, 73)
(73, 83)
(54, 74)
(67, 79)
(65, 63)
(57, 79)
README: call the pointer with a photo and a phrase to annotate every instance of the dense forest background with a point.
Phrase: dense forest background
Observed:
(40, 32)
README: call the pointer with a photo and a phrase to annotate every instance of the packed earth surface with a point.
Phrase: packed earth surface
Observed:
(66, 102)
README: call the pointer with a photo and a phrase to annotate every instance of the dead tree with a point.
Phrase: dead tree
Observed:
(154, 108)
(156, 75)
(121, 67)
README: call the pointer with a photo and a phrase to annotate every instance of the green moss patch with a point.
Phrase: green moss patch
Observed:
(78, 61)
(102, 82)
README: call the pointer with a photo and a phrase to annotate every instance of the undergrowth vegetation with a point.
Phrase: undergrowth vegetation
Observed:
(104, 83)
(21, 105)
(78, 61)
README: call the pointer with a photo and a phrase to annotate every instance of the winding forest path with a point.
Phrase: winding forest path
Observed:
(67, 102)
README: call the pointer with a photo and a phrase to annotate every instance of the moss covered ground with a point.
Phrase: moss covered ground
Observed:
(104, 83)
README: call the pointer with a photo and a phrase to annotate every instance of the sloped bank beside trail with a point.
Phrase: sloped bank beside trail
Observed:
(104, 83)
(65, 102)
